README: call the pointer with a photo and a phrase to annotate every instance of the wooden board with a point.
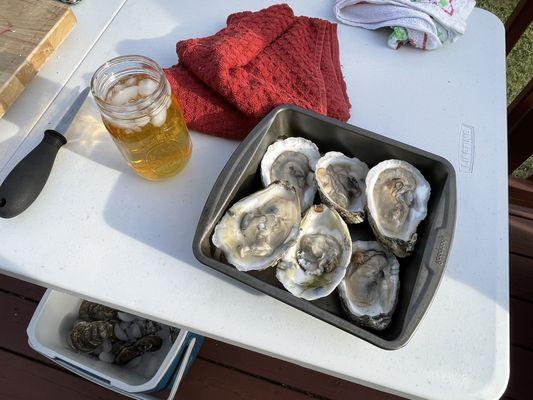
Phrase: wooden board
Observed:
(30, 31)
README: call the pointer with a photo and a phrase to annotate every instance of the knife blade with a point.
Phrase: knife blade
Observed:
(26, 181)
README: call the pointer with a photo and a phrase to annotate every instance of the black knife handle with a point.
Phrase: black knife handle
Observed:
(24, 183)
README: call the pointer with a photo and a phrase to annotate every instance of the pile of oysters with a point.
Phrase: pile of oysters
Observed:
(309, 245)
(117, 337)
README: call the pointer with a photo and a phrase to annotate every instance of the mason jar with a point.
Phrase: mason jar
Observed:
(142, 115)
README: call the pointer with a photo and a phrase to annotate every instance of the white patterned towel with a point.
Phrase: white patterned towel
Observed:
(426, 24)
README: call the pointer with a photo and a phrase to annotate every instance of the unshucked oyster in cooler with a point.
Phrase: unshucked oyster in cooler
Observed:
(117, 337)
(341, 184)
(315, 264)
(397, 196)
(369, 291)
(86, 336)
(292, 160)
(125, 352)
(256, 231)
(90, 311)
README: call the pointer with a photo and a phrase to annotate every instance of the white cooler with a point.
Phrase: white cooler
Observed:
(48, 331)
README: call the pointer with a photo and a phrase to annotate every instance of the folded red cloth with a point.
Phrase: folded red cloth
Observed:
(227, 82)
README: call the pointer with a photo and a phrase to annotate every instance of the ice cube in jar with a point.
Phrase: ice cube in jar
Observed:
(124, 96)
(130, 90)
(147, 86)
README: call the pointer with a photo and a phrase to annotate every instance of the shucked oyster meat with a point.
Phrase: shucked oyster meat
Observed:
(292, 160)
(397, 196)
(341, 184)
(315, 264)
(369, 291)
(256, 231)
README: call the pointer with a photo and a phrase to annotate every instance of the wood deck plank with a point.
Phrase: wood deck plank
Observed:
(288, 374)
(519, 387)
(209, 381)
(521, 236)
(21, 288)
(521, 276)
(15, 314)
(521, 323)
(24, 379)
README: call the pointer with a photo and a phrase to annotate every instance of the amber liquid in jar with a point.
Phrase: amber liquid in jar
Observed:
(143, 116)
(157, 148)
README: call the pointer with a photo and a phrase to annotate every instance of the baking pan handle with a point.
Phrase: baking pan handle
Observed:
(444, 234)
(441, 249)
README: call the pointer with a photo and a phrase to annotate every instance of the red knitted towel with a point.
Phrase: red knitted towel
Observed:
(227, 82)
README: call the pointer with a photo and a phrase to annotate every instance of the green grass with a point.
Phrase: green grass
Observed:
(519, 64)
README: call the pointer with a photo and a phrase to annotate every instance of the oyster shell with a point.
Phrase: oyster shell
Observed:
(369, 291)
(341, 184)
(397, 196)
(90, 311)
(315, 264)
(149, 343)
(126, 352)
(87, 336)
(149, 327)
(256, 231)
(292, 160)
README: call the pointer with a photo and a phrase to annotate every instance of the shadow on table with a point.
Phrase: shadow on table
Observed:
(88, 137)
(153, 212)
(23, 121)
(164, 215)
(8, 148)
(5, 263)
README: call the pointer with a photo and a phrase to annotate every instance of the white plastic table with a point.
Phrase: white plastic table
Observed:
(100, 232)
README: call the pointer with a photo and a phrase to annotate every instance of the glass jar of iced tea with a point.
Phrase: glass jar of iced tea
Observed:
(142, 115)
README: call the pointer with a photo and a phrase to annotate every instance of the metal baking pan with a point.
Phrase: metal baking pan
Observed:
(420, 273)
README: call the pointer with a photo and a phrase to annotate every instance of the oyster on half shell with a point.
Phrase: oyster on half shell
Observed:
(369, 291)
(292, 160)
(315, 264)
(256, 231)
(397, 196)
(341, 184)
